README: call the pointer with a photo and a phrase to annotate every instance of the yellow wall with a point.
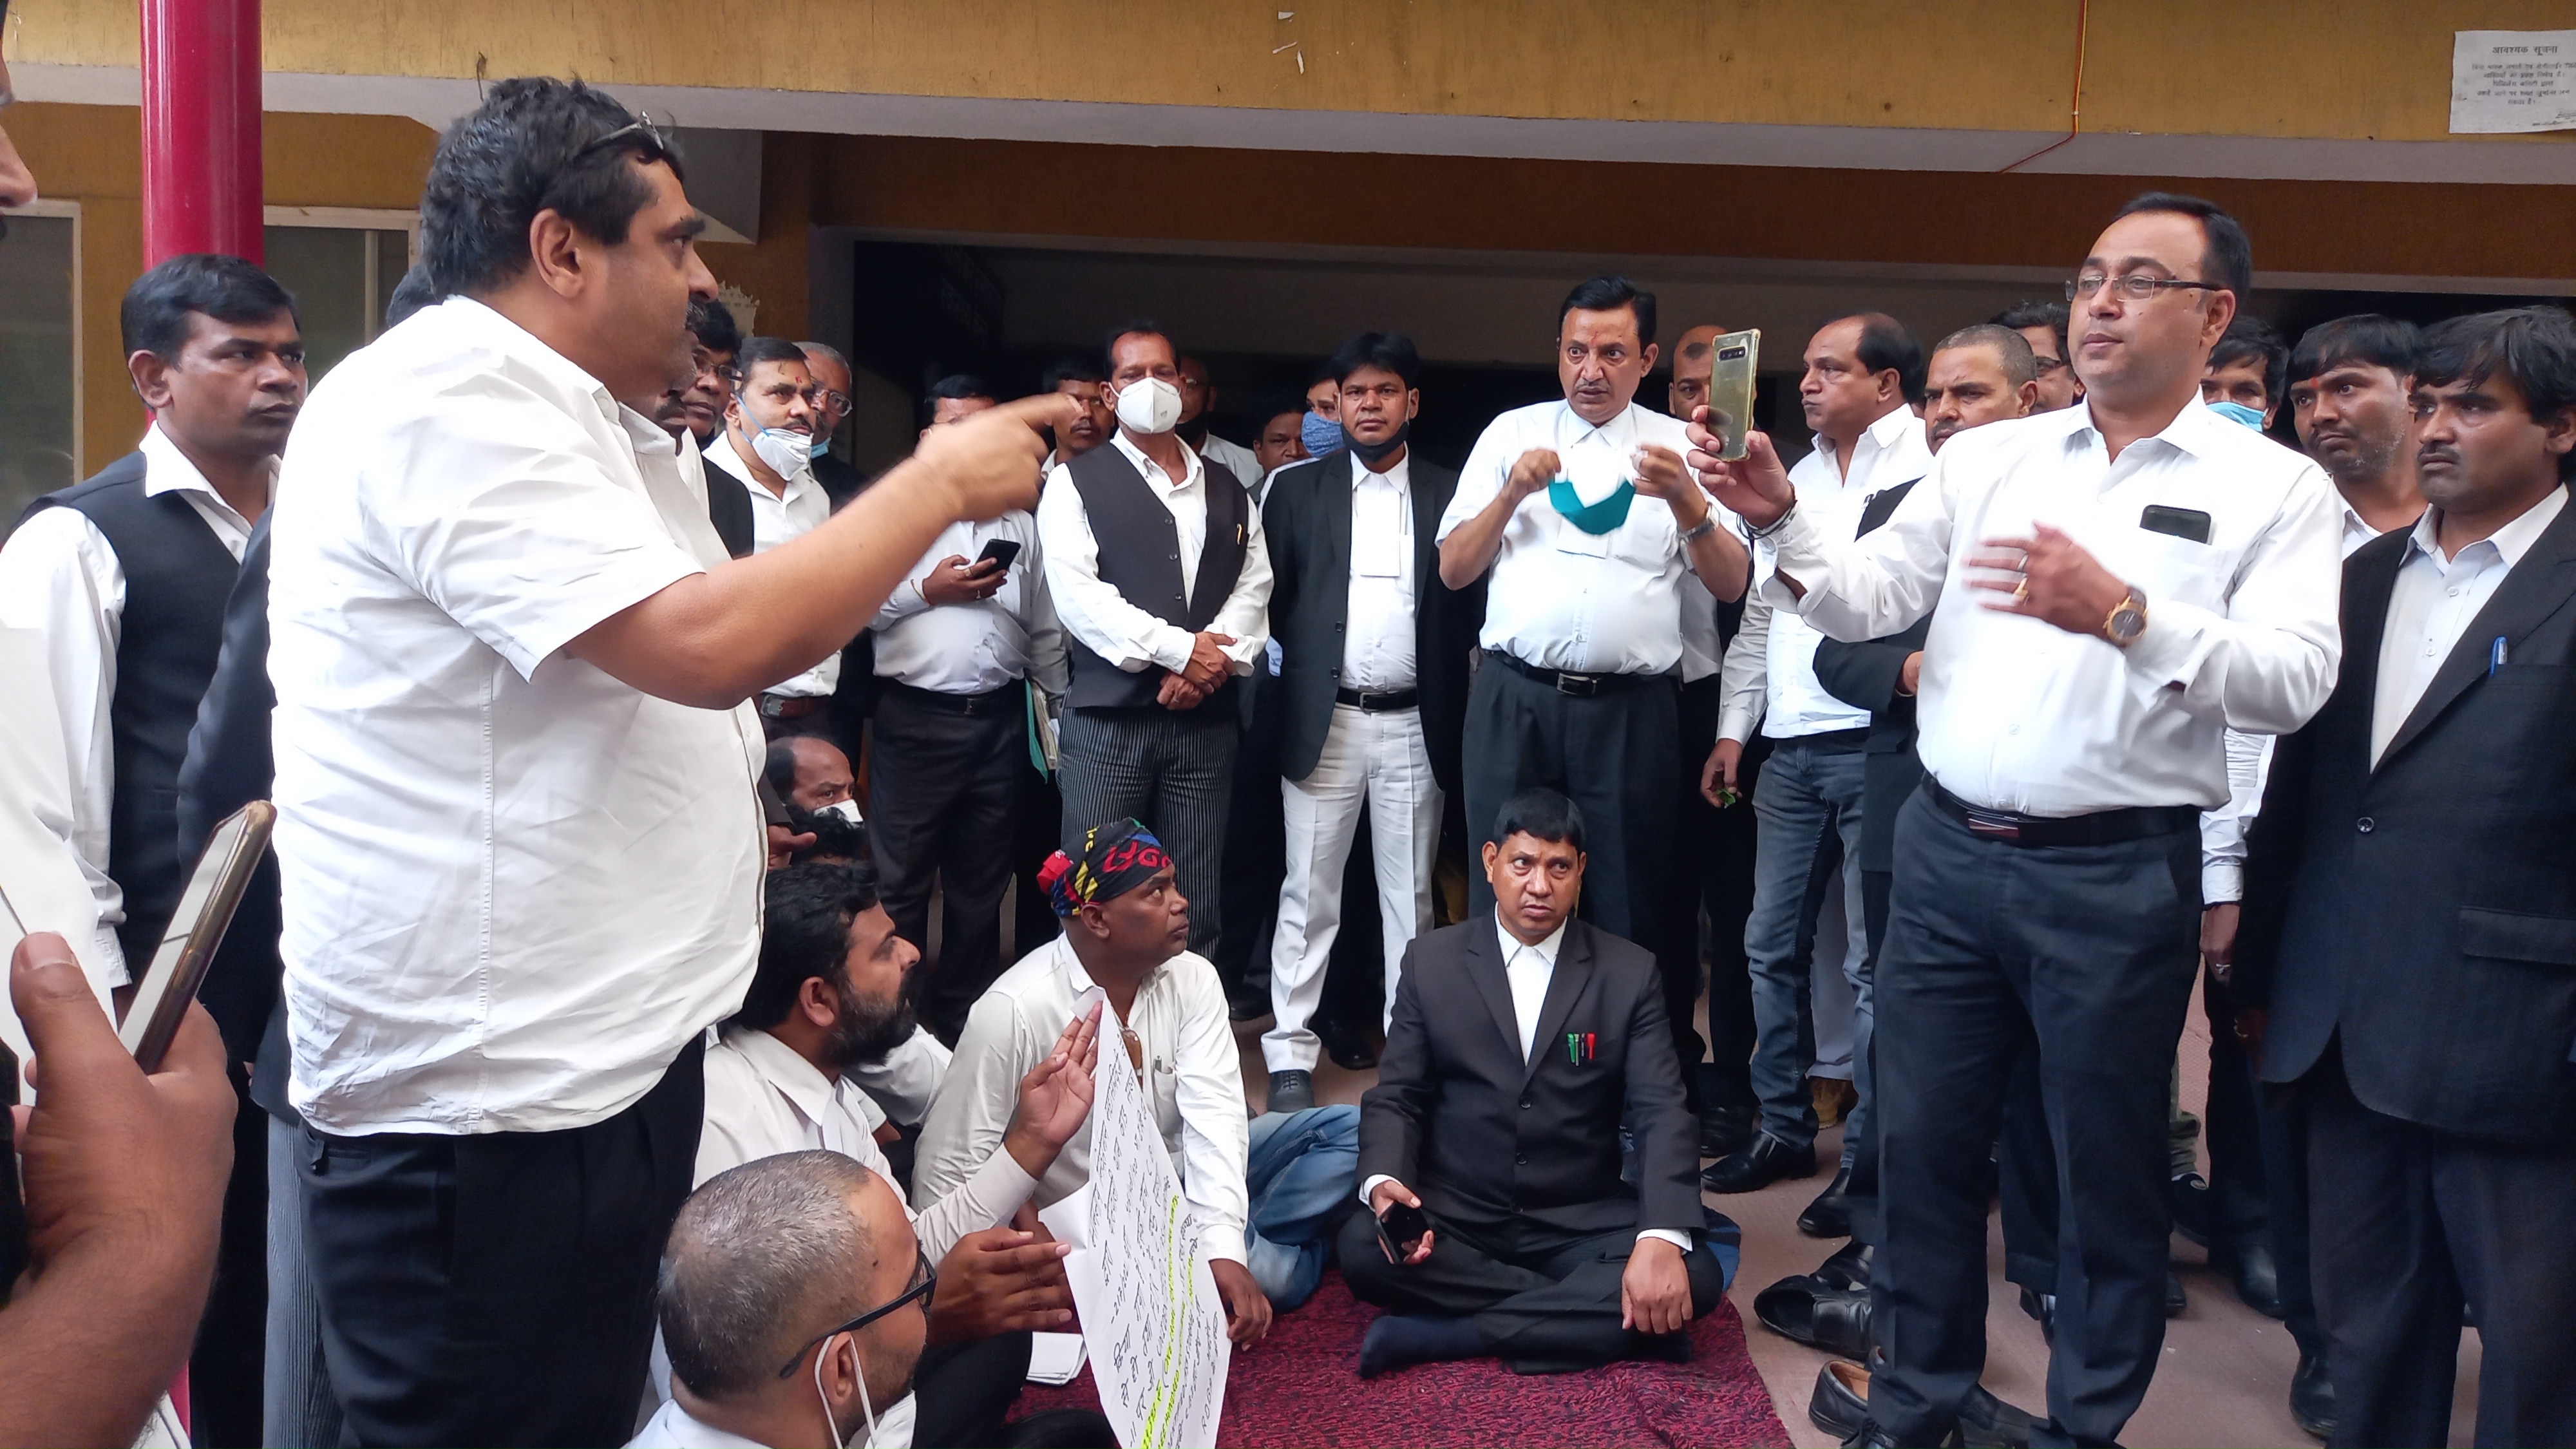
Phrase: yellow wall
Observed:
(2322, 68)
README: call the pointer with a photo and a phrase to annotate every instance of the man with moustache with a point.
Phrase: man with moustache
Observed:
(831, 373)
(2043, 326)
(2410, 916)
(2110, 588)
(1081, 381)
(765, 449)
(1198, 403)
(2347, 389)
(1583, 608)
(1862, 374)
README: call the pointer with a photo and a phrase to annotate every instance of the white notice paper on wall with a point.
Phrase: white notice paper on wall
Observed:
(1151, 1319)
(2513, 81)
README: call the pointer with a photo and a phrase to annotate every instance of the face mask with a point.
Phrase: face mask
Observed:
(1595, 518)
(786, 453)
(1321, 435)
(2237, 412)
(821, 446)
(846, 809)
(831, 1420)
(1370, 453)
(1149, 405)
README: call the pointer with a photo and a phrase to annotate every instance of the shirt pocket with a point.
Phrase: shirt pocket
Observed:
(1648, 539)
(2171, 569)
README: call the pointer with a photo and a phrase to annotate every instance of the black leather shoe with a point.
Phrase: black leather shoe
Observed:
(2256, 1274)
(1986, 1422)
(1873, 1437)
(2175, 1300)
(1724, 1129)
(1847, 1268)
(1829, 1216)
(1840, 1405)
(1803, 1310)
(2312, 1397)
(1759, 1164)
(1290, 1091)
(2042, 1307)
(2187, 1197)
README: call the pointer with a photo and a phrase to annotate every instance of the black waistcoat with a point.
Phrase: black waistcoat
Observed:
(1140, 557)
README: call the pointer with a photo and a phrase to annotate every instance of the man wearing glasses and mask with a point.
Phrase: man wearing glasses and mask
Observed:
(2111, 587)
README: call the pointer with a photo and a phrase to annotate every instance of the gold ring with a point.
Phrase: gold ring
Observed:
(2021, 591)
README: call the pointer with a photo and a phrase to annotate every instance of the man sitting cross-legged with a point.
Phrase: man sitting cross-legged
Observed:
(1521, 1046)
(829, 999)
(1268, 1197)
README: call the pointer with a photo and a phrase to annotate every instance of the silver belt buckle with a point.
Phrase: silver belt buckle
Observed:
(1569, 682)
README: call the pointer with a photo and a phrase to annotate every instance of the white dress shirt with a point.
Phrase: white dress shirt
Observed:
(778, 518)
(1529, 967)
(61, 577)
(1120, 632)
(2249, 764)
(2433, 602)
(1236, 459)
(673, 1427)
(1560, 598)
(1775, 680)
(38, 867)
(2019, 715)
(1193, 1077)
(764, 1099)
(974, 648)
(515, 887)
(1378, 634)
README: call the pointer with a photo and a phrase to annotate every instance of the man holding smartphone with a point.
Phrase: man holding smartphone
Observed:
(957, 650)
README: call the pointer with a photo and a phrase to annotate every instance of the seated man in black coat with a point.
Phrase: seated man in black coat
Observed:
(1521, 1044)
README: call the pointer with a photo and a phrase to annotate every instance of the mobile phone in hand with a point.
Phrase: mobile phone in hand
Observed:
(196, 929)
(1000, 551)
(1401, 1228)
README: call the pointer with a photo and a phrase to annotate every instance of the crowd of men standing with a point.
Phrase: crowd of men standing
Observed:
(2000, 663)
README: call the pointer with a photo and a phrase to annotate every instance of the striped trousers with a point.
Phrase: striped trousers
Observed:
(1172, 770)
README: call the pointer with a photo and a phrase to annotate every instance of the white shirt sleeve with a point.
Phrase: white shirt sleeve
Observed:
(905, 1079)
(1478, 482)
(1216, 1138)
(2266, 664)
(973, 1106)
(503, 518)
(1875, 585)
(1093, 611)
(1744, 679)
(1245, 615)
(1049, 666)
(60, 577)
(984, 1200)
(2222, 831)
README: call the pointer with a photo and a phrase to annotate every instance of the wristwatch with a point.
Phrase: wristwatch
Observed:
(1707, 525)
(2128, 618)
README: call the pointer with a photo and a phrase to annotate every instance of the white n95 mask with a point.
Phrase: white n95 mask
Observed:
(787, 453)
(1149, 405)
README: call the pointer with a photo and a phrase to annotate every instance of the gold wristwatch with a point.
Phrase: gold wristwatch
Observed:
(2128, 618)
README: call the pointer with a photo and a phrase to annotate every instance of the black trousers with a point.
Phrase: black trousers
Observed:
(2091, 950)
(1704, 872)
(1037, 828)
(226, 1368)
(1256, 843)
(939, 815)
(961, 1391)
(2258, 1171)
(2410, 1223)
(1616, 754)
(497, 1289)
(1545, 1300)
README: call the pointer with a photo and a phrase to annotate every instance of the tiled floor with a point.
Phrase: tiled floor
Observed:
(2226, 1371)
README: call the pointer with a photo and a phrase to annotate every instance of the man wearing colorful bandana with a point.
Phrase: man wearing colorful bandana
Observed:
(1270, 1195)
(1594, 537)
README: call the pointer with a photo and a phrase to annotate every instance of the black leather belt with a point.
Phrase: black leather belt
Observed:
(992, 701)
(2102, 827)
(1566, 681)
(1377, 701)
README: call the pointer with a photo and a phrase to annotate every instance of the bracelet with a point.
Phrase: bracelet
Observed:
(1707, 525)
(1775, 525)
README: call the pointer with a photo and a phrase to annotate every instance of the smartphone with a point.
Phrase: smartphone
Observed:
(999, 551)
(1735, 356)
(196, 929)
(1401, 1230)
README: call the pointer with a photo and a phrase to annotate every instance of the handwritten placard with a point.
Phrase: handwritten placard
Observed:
(2513, 81)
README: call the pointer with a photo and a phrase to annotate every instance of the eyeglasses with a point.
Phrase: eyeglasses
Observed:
(924, 1279)
(2135, 287)
(838, 402)
(2048, 365)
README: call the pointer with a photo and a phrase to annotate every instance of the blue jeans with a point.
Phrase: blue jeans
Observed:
(1805, 791)
(1302, 1176)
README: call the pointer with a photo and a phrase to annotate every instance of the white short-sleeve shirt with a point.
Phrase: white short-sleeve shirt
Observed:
(515, 887)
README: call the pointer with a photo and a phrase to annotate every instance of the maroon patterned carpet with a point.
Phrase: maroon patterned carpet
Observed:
(1302, 1387)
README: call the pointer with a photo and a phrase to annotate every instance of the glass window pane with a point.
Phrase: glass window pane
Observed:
(325, 270)
(36, 377)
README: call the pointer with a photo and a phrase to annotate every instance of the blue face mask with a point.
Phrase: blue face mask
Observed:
(1321, 435)
(2237, 412)
(1594, 518)
(821, 446)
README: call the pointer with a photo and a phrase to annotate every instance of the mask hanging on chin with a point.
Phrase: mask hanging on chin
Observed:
(1149, 405)
(787, 453)
(819, 447)
(1372, 453)
(2237, 412)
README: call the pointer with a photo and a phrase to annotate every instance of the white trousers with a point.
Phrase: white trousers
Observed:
(1379, 760)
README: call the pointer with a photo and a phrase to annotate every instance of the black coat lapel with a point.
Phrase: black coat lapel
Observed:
(2531, 592)
(1333, 570)
(1485, 968)
(1573, 973)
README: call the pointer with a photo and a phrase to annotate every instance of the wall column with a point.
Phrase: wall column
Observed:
(201, 114)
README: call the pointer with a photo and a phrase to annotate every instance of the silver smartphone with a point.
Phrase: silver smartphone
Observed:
(196, 929)
(1733, 359)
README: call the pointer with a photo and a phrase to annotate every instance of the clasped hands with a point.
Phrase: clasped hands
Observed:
(1206, 668)
(2044, 576)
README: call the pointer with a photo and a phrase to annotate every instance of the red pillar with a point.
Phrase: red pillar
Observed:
(201, 104)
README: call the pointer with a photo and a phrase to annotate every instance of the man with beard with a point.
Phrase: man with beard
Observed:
(830, 996)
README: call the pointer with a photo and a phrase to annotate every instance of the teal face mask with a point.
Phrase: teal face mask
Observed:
(1595, 518)
(2237, 412)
